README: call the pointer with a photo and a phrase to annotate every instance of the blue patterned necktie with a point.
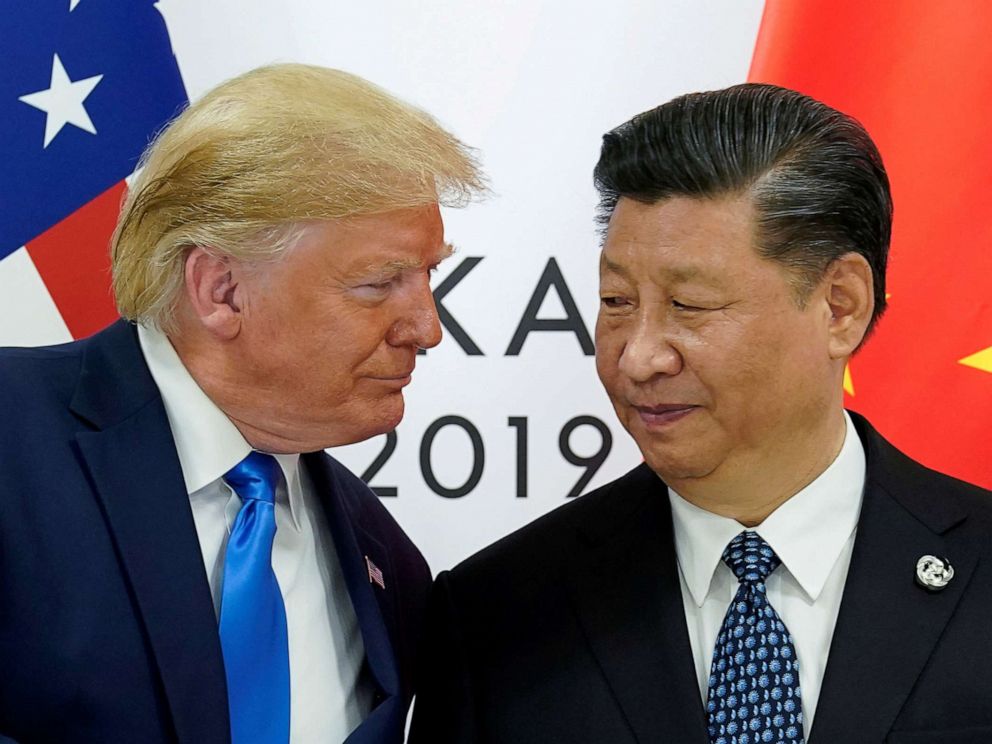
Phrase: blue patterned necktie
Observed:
(754, 681)
(253, 633)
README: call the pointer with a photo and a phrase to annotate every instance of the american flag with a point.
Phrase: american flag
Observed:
(85, 85)
(375, 574)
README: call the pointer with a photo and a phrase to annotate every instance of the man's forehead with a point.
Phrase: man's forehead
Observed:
(683, 238)
(672, 269)
(680, 218)
(400, 239)
(678, 270)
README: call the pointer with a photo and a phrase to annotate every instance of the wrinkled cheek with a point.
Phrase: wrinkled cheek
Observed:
(321, 383)
(603, 368)
(609, 375)
(612, 381)
(608, 351)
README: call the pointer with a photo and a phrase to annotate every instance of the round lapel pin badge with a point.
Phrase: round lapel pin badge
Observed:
(933, 573)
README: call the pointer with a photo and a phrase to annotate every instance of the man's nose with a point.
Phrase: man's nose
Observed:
(420, 325)
(649, 351)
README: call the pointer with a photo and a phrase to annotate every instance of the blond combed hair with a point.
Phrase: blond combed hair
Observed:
(242, 170)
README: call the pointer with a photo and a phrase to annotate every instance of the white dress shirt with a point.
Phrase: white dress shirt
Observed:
(328, 697)
(813, 535)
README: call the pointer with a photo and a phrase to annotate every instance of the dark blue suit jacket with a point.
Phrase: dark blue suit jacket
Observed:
(573, 630)
(107, 628)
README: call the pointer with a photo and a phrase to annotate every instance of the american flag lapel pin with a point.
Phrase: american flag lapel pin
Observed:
(375, 573)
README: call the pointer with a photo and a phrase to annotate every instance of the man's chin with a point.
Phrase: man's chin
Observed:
(376, 420)
(392, 413)
(674, 466)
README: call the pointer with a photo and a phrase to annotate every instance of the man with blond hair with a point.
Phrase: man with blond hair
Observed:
(179, 559)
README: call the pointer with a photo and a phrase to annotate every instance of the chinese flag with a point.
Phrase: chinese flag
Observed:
(918, 75)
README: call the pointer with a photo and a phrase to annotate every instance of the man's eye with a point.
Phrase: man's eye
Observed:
(382, 285)
(688, 308)
(374, 290)
(614, 301)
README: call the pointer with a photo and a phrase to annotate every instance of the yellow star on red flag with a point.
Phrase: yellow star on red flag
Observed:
(979, 360)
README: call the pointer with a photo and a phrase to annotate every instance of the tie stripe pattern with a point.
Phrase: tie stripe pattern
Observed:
(754, 695)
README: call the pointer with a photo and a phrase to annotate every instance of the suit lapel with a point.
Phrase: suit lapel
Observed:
(626, 593)
(374, 605)
(136, 475)
(888, 625)
(377, 554)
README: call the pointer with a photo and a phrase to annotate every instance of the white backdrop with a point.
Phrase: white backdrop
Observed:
(533, 84)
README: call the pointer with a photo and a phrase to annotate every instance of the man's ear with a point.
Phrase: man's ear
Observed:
(851, 297)
(213, 293)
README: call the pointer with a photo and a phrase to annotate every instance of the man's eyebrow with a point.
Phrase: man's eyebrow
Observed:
(686, 273)
(446, 252)
(612, 266)
(405, 264)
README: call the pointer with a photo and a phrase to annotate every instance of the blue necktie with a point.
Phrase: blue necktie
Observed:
(754, 693)
(253, 633)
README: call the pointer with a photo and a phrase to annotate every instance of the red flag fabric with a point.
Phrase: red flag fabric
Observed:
(918, 75)
(80, 287)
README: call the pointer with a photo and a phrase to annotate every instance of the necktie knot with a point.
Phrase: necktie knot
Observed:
(750, 558)
(255, 477)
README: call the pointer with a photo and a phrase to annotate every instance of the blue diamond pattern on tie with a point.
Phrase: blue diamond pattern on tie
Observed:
(253, 632)
(754, 692)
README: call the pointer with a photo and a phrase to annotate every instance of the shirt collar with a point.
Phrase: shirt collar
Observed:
(808, 531)
(207, 441)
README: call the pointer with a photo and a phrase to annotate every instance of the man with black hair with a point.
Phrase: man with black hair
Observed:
(775, 571)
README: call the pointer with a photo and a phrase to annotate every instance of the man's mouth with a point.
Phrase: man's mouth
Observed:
(663, 414)
(400, 379)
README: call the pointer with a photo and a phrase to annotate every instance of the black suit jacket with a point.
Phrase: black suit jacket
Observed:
(107, 627)
(572, 629)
